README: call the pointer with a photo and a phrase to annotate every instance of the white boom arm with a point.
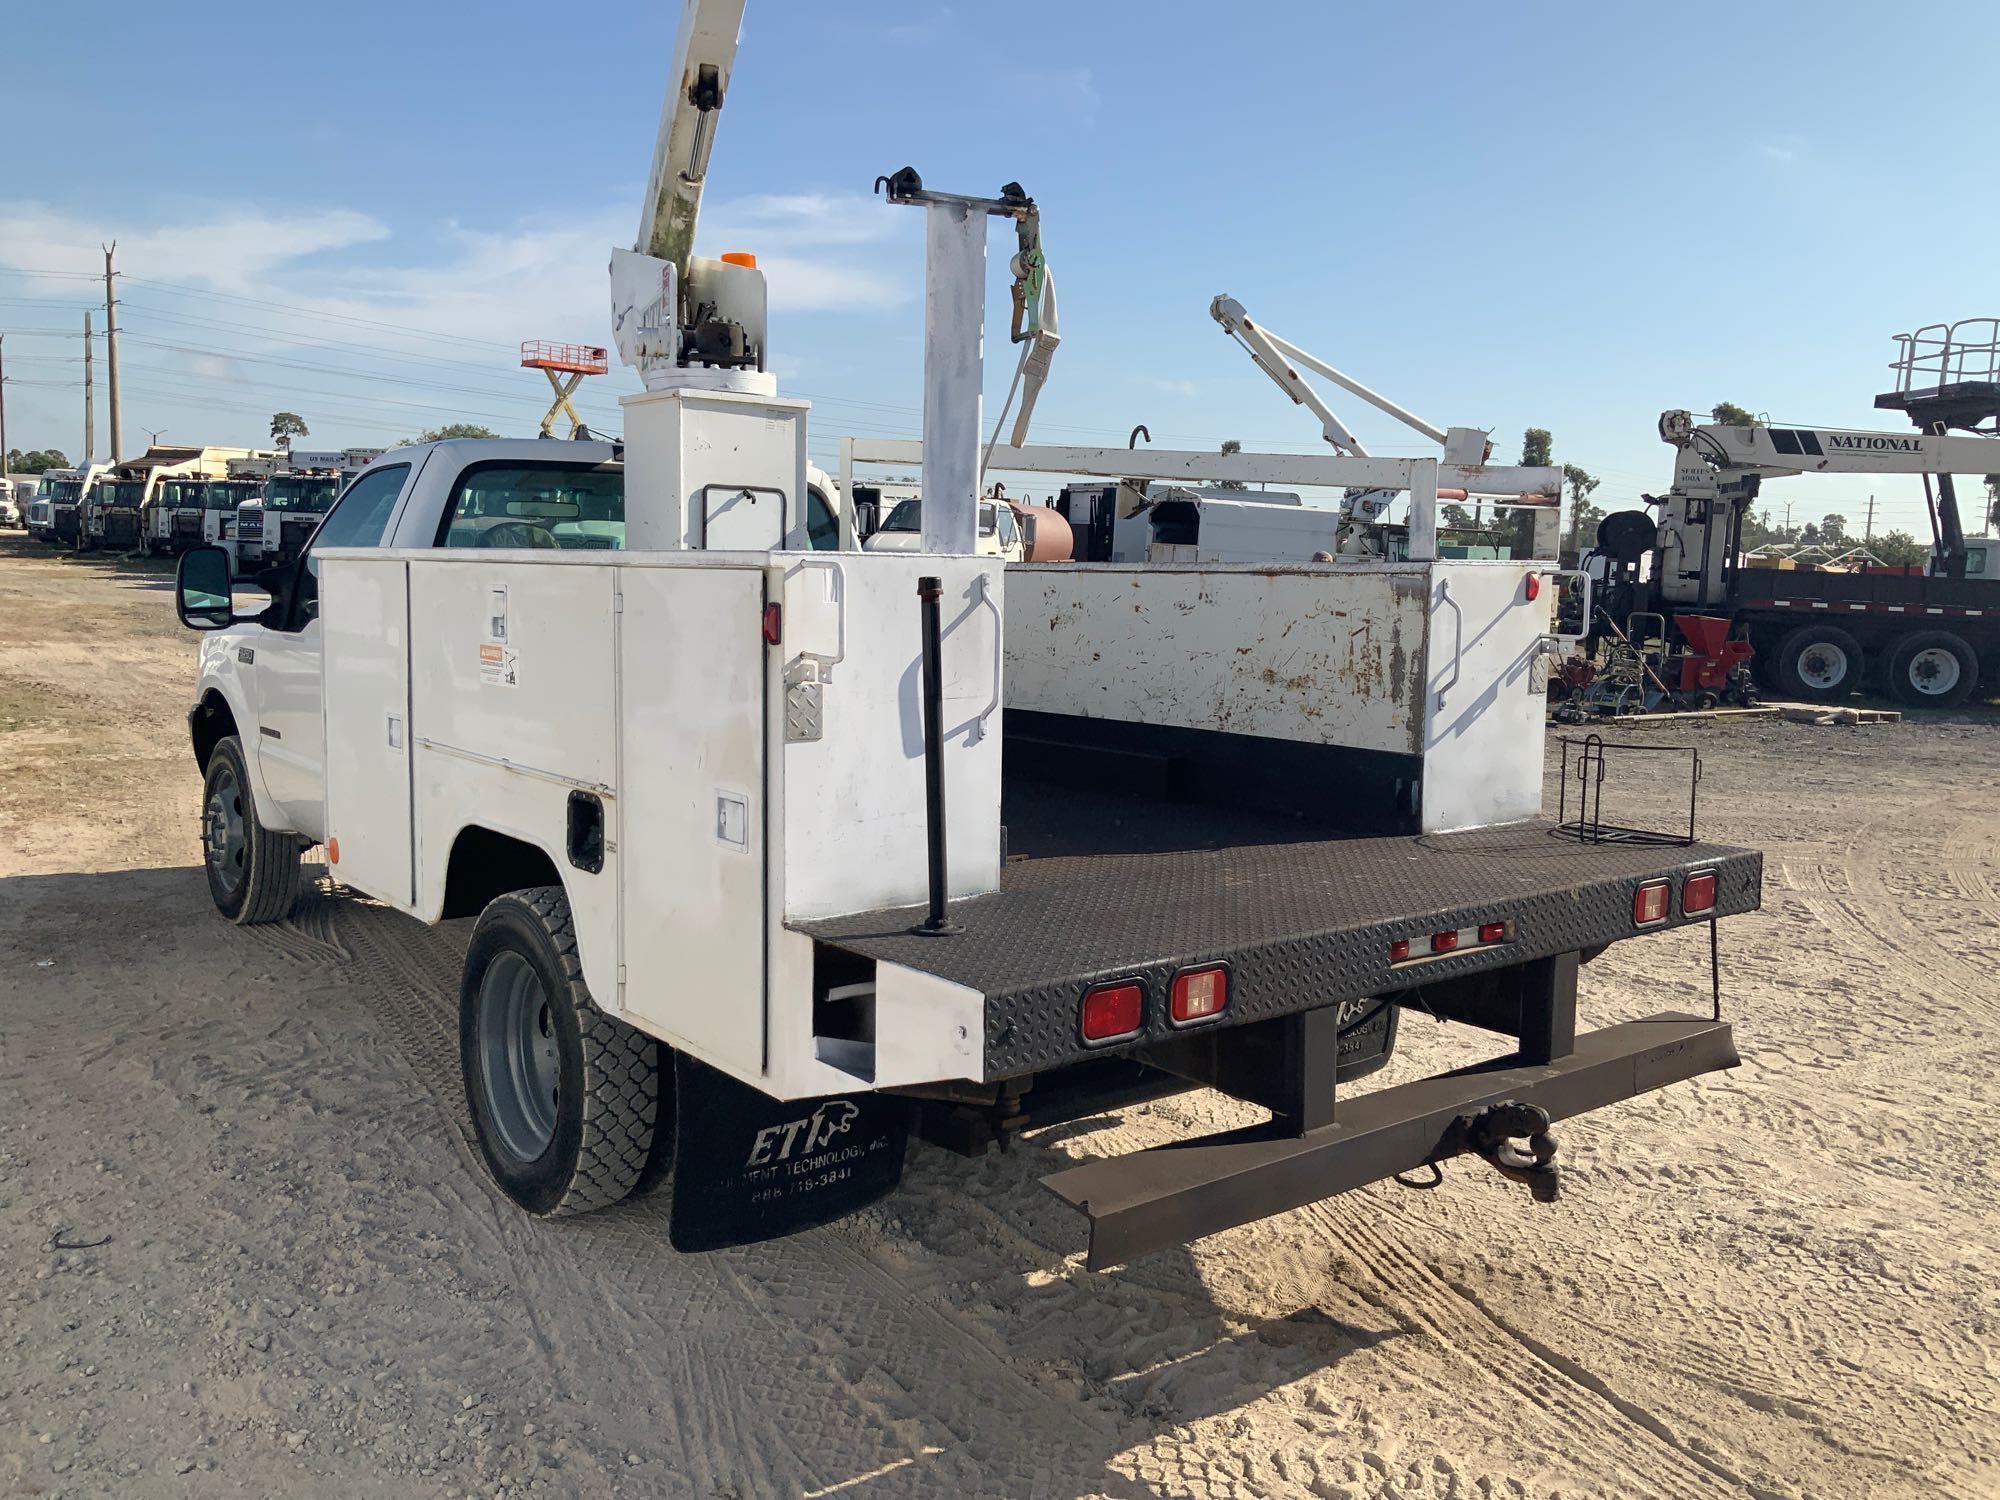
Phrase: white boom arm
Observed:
(1830, 450)
(704, 52)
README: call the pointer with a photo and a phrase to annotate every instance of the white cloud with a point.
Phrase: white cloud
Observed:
(231, 248)
(1183, 388)
(1784, 153)
(538, 278)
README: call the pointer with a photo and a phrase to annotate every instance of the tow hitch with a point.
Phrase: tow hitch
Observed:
(1491, 1133)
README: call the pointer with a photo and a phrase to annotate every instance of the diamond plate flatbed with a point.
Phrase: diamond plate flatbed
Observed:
(1099, 886)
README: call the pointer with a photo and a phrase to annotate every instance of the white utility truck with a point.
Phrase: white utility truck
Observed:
(758, 889)
(66, 491)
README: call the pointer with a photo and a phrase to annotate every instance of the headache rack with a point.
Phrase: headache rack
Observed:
(1580, 793)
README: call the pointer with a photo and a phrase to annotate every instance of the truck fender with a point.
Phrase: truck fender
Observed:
(221, 694)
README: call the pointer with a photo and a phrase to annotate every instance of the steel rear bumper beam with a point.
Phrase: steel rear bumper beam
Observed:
(1164, 1196)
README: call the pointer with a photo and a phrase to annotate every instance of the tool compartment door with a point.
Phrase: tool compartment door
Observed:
(364, 628)
(692, 808)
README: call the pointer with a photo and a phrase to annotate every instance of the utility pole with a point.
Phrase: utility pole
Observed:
(89, 400)
(1868, 527)
(3, 406)
(111, 344)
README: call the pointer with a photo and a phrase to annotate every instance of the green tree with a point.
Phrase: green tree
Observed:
(1583, 515)
(1231, 445)
(449, 430)
(1729, 414)
(1535, 446)
(35, 460)
(1993, 502)
(286, 425)
(1833, 531)
(1899, 549)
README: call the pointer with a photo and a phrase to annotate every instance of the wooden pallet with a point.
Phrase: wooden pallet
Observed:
(1836, 713)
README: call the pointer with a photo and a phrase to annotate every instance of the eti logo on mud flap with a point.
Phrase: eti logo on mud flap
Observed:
(776, 1143)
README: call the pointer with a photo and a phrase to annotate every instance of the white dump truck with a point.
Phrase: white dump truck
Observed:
(779, 853)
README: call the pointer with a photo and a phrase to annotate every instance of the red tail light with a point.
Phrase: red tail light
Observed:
(1534, 587)
(1698, 893)
(1494, 932)
(1199, 995)
(774, 624)
(1113, 1011)
(1444, 942)
(1399, 950)
(1649, 903)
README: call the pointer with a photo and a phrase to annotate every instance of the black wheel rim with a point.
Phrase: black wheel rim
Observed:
(224, 828)
(520, 1064)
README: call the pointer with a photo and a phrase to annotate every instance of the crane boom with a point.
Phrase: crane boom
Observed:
(704, 52)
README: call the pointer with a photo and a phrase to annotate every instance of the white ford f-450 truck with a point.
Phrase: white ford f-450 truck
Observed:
(780, 850)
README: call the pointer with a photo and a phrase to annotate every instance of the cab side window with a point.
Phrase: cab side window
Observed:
(359, 518)
(822, 527)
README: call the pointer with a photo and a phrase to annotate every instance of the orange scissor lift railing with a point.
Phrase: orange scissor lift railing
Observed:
(565, 365)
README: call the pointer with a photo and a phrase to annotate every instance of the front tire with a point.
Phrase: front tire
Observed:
(1822, 663)
(1933, 669)
(565, 1100)
(253, 871)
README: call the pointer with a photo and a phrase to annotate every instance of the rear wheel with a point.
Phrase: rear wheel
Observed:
(253, 872)
(1820, 662)
(565, 1100)
(1933, 669)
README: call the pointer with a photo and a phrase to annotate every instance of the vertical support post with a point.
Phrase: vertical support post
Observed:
(954, 364)
(849, 540)
(1311, 1056)
(89, 399)
(930, 591)
(111, 343)
(3, 408)
(1548, 1008)
(1423, 510)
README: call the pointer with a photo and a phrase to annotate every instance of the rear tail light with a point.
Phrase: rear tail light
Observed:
(1698, 894)
(1534, 587)
(1494, 932)
(1399, 950)
(1649, 903)
(774, 624)
(1199, 995)
(1444, 942)
(1112, 1012)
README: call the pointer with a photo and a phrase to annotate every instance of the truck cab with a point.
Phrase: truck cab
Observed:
(903, 531)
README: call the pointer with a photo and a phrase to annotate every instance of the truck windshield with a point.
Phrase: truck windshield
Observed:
(313, 496)
(60, 491)
(909, 516)
(227, 496)
(538, 505)
(121, 492)
(174, 494)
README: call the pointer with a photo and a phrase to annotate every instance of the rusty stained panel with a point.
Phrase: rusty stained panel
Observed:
(1323, 655)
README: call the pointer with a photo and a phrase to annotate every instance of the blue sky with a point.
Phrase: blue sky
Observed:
(1571, 216)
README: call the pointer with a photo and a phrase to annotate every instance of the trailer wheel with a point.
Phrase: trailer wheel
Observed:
(1821, 662)
(1933, 669)
(565, 1099)
(253, 871)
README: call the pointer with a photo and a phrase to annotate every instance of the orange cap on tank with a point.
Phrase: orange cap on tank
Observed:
(739, 258)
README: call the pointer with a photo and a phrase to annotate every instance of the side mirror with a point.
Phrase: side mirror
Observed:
(202, 589)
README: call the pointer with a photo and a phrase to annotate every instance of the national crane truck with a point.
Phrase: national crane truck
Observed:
(778, 854)
(1929, 637)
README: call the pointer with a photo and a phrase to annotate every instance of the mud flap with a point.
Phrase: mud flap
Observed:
(748, 1167)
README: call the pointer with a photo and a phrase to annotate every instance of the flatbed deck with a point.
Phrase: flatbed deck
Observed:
(1100, 886)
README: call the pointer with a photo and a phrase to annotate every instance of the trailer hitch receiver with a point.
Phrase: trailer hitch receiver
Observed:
(1491, 1134)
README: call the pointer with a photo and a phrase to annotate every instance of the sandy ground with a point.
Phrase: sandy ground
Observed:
(1773, 1282)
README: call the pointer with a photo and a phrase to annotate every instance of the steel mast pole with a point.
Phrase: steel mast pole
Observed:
(111, 344)
(89, 399)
